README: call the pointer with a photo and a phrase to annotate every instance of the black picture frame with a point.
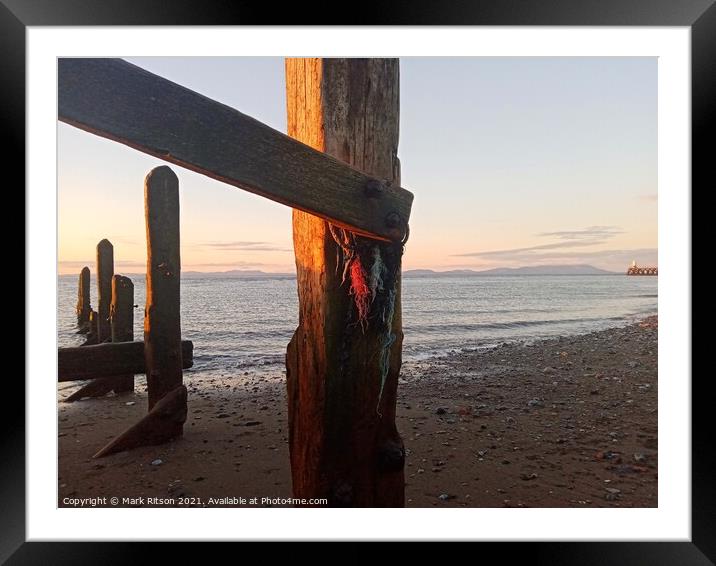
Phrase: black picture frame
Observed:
(699, 15)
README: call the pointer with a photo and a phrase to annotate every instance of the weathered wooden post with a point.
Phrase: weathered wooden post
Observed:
(105, 271)
(83, 301)
(162, 322)
(121, 318)
(344, 359)
(92, 329)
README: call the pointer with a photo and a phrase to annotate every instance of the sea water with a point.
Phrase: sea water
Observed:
(240, 325)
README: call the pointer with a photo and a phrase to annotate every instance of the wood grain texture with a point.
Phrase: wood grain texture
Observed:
(121, 319)
(119, 101)
(91, 337)
(105, 271)
(109, 359)
(162, 320)
(344, 444)
(83, 300)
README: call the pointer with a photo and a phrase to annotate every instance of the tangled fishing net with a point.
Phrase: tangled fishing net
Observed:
(370, 270)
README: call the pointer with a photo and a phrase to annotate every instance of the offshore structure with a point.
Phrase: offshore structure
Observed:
(635, 269)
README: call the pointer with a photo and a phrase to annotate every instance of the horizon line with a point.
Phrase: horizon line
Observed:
(435, 270)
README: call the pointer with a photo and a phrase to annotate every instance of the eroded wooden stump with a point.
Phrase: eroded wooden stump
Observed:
(163, 423)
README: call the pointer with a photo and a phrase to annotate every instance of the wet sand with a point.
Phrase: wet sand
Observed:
(569, 422)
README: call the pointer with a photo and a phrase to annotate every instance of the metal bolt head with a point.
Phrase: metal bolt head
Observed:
(393, 220)
(374, 188)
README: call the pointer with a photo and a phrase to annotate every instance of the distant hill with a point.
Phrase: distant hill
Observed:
(527, 270)
(417, 273)
(410, 274)
(548, 270)
(236, 274)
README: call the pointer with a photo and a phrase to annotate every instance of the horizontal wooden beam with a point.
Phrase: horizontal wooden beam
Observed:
(109, 359)
(120, 101)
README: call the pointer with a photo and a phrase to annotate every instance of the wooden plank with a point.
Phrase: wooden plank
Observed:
(342, 369)
(117, 100)
(109, 359)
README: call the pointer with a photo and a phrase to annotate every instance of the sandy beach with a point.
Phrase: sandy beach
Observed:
(568, 422)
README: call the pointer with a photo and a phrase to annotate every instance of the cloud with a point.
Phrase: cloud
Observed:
(642, 255)
(69, 264)
(587, 234)
(229, 264)
(239, 265)
(115, 241)
(245, 246)
(590, 236)
(613, 260)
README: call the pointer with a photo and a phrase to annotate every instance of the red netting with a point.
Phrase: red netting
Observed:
(360, 290)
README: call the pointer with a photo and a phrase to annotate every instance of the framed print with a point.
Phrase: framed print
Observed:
(397, 280)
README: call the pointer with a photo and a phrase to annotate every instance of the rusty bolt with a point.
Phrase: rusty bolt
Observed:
(374, 188)
(393, 220)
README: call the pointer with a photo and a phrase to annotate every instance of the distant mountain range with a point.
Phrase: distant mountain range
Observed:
(411, 273)
(236, 274)
(416, 273)
(527, 270)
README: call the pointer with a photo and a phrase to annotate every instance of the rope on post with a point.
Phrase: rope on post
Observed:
(379, 282)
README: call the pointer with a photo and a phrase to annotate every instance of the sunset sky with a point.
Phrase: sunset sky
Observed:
(513, 161)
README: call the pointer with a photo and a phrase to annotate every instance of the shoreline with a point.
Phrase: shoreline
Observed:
(558, 422)
(276, 370)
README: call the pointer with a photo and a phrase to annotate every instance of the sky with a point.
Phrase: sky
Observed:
(512, 161)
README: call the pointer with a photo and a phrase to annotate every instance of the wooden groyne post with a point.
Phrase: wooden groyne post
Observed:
(344, 359)
(162, 322)
(350, 224)
(105, 272)
(121, 318)
(83, 301)
(121, 315)
(91, 337)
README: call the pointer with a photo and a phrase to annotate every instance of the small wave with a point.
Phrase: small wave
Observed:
(238, 360)
(503, 325)
(238, 333)
(451, 311)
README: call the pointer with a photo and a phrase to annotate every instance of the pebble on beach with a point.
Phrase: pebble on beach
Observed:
(513, 426)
